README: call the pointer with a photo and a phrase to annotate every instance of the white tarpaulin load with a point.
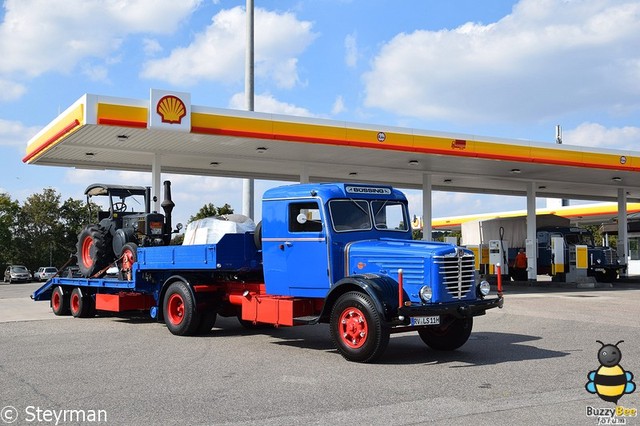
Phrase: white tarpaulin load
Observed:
(514, 229)
(210, 230)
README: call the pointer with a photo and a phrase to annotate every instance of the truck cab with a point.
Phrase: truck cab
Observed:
(307, 229)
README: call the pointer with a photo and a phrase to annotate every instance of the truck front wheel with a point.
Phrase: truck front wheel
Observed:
(357, 329)
(179, 310)
(449, 336)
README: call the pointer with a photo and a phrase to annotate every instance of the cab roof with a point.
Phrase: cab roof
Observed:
(328, 191)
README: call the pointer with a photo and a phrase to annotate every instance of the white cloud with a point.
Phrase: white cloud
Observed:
(13, 133)
(10, 90)
(546, 58)
(267, 103)
(338, 106)
(351, 50)
(596, 135)
(151, 47)
(37, 36)
(218, 53)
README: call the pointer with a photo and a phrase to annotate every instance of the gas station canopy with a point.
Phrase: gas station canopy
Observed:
(166, 131)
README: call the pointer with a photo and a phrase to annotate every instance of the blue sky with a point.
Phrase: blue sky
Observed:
(499, 68)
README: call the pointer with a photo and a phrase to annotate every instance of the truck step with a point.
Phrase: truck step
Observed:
(307, 320)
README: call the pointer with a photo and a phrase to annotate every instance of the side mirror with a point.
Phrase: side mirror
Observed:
(179, 227)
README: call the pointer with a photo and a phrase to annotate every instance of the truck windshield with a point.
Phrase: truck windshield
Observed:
(389, 215)
(355, 215)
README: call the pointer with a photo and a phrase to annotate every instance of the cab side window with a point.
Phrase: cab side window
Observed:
(304, 217)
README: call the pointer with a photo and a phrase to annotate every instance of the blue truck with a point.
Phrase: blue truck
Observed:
(336, 253)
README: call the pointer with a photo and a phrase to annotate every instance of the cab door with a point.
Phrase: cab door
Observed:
(296, 258)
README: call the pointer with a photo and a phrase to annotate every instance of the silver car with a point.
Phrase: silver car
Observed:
(17, 273)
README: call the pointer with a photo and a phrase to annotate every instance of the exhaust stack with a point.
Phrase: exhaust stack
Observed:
(167, 205)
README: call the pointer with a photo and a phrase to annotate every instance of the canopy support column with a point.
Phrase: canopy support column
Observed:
(531, 242)
(623, 237)
(156, 179)
(427, 214)
(304, 174)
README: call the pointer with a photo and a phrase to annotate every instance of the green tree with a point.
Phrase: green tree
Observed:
(210, 210)
(45, 230)
(9, 211)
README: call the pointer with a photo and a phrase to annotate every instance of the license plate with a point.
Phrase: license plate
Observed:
(433, 320)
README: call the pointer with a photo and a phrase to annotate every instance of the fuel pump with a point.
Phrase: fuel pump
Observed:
(498, 250)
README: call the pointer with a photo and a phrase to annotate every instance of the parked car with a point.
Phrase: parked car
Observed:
(45, 273)
(17, 273)
(71, 272)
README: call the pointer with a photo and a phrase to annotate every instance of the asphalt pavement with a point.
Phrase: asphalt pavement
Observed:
(524, 364)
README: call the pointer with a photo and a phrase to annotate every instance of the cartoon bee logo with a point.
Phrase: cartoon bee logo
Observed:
(610, 381)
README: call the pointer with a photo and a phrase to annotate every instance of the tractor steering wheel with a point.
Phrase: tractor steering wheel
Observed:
(119, 207)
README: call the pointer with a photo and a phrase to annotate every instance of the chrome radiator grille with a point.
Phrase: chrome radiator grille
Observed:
(457, 272)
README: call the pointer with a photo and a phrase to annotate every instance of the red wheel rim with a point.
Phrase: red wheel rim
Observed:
(353, 328)
(55, 301)
(127, 259)
(86, 252)
(175, 309)
(75, 302)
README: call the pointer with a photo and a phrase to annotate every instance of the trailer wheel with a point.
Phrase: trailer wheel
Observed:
(447, 337)
(92, 250)
(59, 302)
(179, 310)
(357, 329)
(81, 305)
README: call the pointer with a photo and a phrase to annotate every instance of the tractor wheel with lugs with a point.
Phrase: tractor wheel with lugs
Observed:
(93, 250)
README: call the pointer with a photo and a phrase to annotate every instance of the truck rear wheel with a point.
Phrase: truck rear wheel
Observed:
(92, 250)
(447, 337)
(207, 321)
(179, 310)
(357, 329)
(81, 305)
(59, 302)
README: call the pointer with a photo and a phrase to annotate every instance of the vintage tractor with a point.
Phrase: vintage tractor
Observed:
(127, 224)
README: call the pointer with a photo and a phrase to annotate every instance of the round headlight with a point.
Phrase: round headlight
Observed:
(426, 293)
(484, 287)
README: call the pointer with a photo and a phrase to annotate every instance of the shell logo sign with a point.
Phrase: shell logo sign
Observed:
(170, 110)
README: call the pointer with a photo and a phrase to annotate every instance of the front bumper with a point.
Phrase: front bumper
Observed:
(457, 309)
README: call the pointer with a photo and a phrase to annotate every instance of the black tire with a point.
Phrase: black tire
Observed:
(93, 250)
(179, 310)
(207, 321)
(257, 236)
(127, 257)
(448, 336)
(59, 301)
(81, 304)
(358, 331)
